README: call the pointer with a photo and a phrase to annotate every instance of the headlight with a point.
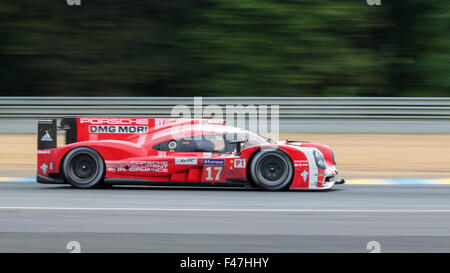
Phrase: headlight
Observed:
(320, 160)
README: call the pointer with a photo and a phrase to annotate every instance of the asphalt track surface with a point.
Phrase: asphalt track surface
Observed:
(45, 218)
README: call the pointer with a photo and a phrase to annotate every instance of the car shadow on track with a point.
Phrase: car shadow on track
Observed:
(184, 188)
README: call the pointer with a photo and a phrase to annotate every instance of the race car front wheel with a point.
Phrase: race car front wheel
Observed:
(271, 170)
(83, 168)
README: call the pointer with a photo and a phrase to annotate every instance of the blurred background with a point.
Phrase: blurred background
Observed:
(225, 48)
(370, 81)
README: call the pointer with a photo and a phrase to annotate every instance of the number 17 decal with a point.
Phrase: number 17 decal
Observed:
(212, 174)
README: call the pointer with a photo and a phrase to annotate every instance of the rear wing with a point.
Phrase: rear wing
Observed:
(47, 132)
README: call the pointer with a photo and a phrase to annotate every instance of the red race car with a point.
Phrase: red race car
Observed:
(102, 151)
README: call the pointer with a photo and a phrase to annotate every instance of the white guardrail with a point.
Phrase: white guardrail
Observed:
(289, 107)
(312, 114)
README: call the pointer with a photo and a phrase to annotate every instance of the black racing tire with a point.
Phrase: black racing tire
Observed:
(271, 170)
(83, 168)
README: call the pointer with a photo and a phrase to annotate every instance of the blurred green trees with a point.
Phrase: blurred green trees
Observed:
(225, 48)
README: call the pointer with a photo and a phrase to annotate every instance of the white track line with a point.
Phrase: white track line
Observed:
(234, 210)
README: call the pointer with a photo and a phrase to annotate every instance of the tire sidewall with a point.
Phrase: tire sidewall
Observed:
(254, 164)
(97, 180)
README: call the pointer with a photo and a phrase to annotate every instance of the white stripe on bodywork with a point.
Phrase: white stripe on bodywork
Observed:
(142, 138)
(313, 170)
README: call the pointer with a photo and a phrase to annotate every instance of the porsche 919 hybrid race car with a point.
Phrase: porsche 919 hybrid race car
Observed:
(102, 151)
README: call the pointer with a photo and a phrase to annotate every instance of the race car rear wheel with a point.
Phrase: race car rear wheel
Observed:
(271, 170)
(83, 168)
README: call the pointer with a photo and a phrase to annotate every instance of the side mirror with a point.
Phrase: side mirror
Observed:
(238, 142)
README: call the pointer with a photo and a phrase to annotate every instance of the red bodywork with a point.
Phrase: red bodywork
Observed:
(127, 145)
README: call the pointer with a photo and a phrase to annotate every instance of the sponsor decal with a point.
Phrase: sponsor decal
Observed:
(51, 165)
(185, 161)
(159, 123)
(46, 137)
(300, 163)
(214, 161)
(115, 121)
(304, 174)
(118, 129)
(43, 151)
(44, 168)
(240, 163)
(147, 166)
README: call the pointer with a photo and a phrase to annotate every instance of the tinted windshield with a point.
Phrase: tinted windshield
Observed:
(255, 139)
